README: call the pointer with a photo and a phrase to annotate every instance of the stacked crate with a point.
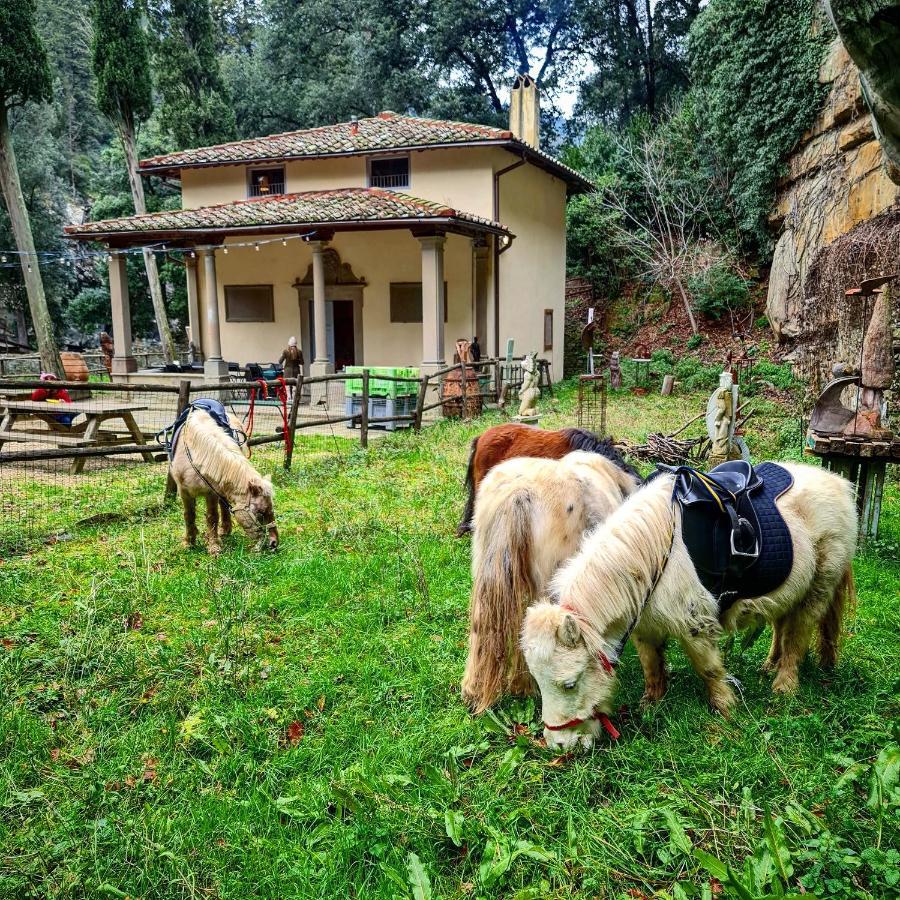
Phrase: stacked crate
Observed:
(386, 398)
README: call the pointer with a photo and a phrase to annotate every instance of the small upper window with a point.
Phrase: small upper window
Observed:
(391, 172)
(266, 182)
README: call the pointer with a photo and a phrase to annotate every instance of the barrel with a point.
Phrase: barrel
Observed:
(74, 366)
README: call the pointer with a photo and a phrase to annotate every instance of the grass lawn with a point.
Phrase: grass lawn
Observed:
(289, 725)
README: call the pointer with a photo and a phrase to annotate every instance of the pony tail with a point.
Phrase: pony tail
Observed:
(465, 524)
(503, 588)
(830, 630)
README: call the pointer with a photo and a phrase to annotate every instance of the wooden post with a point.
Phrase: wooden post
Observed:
(184, 398)
(364, 411)
(498, 380)
(667, 385)
(292, 422)
(420, 403)
(464, 412)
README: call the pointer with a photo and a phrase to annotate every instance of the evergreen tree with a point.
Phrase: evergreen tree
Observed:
(24, 78)
(196, 109)
(124, 94)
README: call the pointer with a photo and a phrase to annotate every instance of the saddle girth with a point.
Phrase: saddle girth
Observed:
(737, 540)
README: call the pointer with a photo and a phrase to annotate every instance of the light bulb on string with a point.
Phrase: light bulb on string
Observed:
(225, 250)
(284, 242)
(257, 246)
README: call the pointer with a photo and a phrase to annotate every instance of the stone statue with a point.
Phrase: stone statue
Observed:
(615, 371)
(721, 417)
(529, 392)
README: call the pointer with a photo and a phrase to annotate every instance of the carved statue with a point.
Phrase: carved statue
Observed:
(721, 417)
(529, 392)
(615, 371)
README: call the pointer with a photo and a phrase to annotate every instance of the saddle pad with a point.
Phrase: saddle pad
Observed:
(776, 549)
(208, 405)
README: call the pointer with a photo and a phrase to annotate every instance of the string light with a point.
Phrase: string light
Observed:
(256, 247)
(225, 250)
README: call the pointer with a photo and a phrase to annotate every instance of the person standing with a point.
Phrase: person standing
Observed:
(292, 361)
(475, 349)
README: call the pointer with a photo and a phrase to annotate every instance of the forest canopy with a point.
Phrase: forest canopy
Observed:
(730, 84)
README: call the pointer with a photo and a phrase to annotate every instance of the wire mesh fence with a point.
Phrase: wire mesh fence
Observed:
(80, 455)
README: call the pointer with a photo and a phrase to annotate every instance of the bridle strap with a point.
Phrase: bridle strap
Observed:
(600, 717)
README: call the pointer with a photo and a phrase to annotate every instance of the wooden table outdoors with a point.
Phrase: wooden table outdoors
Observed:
(87, 433)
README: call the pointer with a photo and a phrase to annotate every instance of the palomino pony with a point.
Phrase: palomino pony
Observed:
(513, 439)
(633, 576)
(208, 462)
(530, 517)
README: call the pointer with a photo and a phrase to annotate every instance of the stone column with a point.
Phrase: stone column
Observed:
(432, 302)
(214, 367)
(321, 364)
(122, 362)
(193, 301)
(481, 262)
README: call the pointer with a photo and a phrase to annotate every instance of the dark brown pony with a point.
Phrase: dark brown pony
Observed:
(506, 441)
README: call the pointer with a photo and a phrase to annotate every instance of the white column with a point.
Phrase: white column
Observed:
(481, 264)
(193, 301)
(214, 367)
(122, 362)
(432, 302)
(321, 364)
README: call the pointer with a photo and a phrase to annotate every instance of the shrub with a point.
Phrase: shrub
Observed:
(719, 290)
(779, 374)
(694, 376)
(694, 341)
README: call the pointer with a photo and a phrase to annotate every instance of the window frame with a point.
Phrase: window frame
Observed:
(245, 321)
(252, 170)
(386, 158)
(548, 318)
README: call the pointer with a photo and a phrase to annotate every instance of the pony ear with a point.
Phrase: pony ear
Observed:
(255, 489)
(569, 631)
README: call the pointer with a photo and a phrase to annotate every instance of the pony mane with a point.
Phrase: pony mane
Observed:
(217, 456)
(606, 582)
(582, 439)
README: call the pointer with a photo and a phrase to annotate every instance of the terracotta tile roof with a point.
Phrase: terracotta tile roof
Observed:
(340, 208)
(384, 132)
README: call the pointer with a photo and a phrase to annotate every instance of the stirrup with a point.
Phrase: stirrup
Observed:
(754, 553)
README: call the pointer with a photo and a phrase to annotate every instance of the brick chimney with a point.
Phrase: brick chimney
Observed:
(525, 111)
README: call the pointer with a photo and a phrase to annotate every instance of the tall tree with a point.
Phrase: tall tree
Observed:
(122, 69)
(24, 77)
(196, 109)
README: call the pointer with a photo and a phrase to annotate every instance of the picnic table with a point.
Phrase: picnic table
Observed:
(86, 433)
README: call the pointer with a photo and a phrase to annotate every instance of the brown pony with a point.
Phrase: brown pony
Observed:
(510, 440)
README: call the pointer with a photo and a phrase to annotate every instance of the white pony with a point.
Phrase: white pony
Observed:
(633, 576)
(209, 463)
(530, 516)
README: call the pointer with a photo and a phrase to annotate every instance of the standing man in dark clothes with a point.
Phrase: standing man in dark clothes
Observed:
(475, 349)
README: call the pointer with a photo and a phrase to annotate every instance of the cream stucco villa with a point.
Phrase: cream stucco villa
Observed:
(377, 242)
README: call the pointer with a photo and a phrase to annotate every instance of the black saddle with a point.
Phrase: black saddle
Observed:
(733, 531)
(169, 435)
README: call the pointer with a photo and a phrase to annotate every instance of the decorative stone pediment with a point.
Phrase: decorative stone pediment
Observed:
(336, 272)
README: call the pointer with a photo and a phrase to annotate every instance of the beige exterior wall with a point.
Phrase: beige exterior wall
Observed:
(376, 257)
(532, 270)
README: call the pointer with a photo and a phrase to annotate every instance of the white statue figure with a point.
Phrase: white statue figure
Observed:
(529, 392)
(721, 417)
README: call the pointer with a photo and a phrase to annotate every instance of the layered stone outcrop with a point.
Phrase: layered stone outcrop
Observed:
(836, 180)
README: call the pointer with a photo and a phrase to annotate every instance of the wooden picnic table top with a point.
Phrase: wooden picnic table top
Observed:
(88, 407)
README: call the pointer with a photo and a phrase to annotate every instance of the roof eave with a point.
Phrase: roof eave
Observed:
(577, 183)
(139, 238)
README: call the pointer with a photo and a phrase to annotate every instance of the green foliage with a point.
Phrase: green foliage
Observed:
(694, 341)
(24, 71)
(780, 375)
(719, 290)
(755, 65)
(195, 109)
(121, 62)
(693, 375)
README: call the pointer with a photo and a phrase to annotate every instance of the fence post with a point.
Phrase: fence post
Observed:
(464, 387)
(364, 411)
(420, 404)
(184, 398)
(292, 422)
(498, 380)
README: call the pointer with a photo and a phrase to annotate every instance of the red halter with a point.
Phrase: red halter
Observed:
(602, 718)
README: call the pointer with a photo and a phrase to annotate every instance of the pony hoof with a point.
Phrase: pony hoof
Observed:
(784, 685)
(215, 549)
(652, 697)
(463, 530)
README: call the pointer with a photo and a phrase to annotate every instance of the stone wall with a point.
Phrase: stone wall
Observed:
(835, 183)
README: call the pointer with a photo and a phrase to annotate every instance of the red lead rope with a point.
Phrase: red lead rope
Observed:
(282, 393)
(602, 718)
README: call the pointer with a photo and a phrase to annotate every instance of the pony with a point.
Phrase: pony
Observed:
(634, 577)
(513, 439)
(208, 462)
(530, 516)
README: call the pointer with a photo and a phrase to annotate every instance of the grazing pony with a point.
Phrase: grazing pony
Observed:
(208, 462)
(633, 576)
(513, 439)
(530, 516)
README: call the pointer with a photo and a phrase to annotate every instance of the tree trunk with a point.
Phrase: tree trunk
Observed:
(31, 271)
(140, 207)
(687, 305)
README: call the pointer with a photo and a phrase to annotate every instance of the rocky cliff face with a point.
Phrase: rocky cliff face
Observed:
(836, 183)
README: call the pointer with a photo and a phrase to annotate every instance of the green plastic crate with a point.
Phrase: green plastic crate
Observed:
(379, 387)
